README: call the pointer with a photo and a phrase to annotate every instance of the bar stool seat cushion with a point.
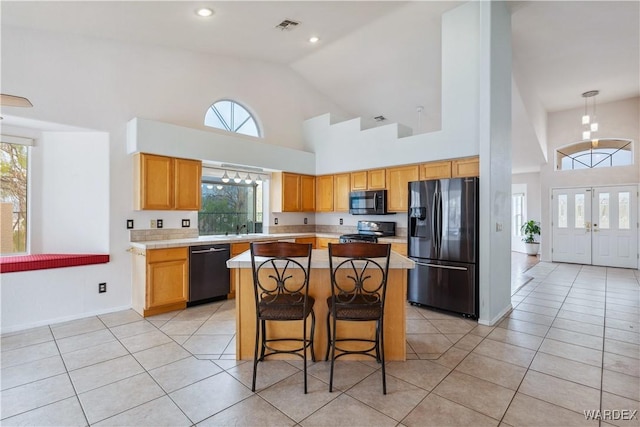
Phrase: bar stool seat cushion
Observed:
(285, 307)
(360, 308)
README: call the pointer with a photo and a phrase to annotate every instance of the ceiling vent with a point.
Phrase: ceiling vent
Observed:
(287, 24)
(380, 118)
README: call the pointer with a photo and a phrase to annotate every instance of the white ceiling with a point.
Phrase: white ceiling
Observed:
(378, 57)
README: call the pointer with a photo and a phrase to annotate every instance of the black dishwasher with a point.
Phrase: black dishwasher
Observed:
(209, 277)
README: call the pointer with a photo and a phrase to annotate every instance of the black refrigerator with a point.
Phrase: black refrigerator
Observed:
(443, 242)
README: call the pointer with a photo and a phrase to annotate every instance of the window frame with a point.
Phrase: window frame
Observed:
(27, 143)
(590, 148)
(229, 127)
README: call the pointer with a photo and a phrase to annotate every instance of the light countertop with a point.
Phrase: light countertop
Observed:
(241, 238)
(320, 259)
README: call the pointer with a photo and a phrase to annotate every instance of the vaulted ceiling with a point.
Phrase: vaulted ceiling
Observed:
(378, 57)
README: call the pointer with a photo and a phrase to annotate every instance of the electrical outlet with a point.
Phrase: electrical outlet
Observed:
(159, 223)
(275, 221)
(102, 288)
(153, 223)
(341, 222)
(305, 220)
(186, 223)
(129, 224)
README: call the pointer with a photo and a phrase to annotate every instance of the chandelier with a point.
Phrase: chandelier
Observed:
(590, 122)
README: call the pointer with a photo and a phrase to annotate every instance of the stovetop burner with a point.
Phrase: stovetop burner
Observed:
(369, 231)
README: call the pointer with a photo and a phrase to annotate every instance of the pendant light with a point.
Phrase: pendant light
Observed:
(237, 178)
(258, 179)
(247, 179)
(589, 121)
(225, 177)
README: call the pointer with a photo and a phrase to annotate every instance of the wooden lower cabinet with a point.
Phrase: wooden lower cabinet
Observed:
(311, 240)
(161, 280)
(236, 249)
(323, 242)
(400, 248)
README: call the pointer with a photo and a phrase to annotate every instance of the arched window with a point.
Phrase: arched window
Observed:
(600, 153)
(230, 116)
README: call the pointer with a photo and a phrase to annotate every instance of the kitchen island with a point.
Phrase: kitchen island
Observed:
(320, 289)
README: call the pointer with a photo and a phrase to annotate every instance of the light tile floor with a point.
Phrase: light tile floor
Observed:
(570, 344)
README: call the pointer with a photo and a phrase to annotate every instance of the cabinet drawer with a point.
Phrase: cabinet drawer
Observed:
(171, 254)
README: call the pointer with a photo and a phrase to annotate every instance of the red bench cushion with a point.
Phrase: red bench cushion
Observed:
(12, 264)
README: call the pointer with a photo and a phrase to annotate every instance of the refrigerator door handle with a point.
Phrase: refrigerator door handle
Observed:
(447, 267)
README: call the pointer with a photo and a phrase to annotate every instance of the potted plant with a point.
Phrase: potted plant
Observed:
(530, 229)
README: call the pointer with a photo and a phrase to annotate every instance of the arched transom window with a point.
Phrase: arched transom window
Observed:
(602, 153)
(230, 116)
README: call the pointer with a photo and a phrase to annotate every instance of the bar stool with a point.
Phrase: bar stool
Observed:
(281, 290)
(358, 288)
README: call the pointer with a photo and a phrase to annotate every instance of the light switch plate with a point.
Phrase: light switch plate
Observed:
(129, 224)
(186, 223)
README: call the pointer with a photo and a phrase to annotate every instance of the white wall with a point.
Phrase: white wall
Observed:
(476, 119)
(618, 119)
(530, 181)
(101, 85)
(383, 146)
(69, 201)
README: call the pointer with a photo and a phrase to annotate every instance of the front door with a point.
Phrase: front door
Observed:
(596, 226)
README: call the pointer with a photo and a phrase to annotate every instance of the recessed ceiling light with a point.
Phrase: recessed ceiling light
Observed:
(204, 12)
(314, 39)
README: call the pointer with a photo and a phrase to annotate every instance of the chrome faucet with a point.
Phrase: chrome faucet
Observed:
(240, 227)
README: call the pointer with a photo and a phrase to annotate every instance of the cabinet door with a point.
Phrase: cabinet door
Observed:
(324, 193)
(462, 168)
(311, 240)
(341, 189)
(323, 242)
(435, 170)
(376, 179)
(290, 192)
(359, 181)
(307, 193)
(188, 179)
(398, 186)
(400, 248)
(154, 182)
(167, 276)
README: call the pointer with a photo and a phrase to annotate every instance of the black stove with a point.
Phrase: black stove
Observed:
(369, 231)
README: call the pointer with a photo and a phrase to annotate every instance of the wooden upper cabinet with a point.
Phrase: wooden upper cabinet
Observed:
(341, 189)
(307, 193)
(187, 180)
(324, 193)
(376, 179)
(292, 192)
(166, 183)
(461, 168)
(435, 170)
(359, 181)
(398, 179)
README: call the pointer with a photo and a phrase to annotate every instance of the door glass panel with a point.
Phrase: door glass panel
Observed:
(579, 211)
(603, 210)
(562, 211)
(623, 210)
(517, 209)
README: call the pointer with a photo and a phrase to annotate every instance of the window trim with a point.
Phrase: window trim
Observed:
(227, 127)
(586, 146)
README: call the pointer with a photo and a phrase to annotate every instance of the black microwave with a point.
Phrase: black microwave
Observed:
(368, 202)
